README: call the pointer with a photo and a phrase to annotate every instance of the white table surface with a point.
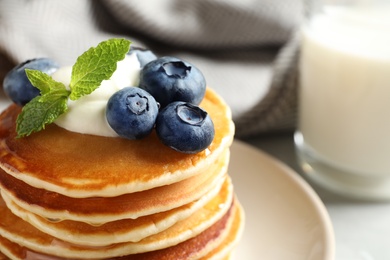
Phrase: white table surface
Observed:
(362, 229)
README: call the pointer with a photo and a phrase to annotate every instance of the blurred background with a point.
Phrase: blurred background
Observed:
(247, 49)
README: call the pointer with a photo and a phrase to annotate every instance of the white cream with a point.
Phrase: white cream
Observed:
(87, 114)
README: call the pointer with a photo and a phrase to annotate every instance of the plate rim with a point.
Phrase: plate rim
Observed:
(301, 183)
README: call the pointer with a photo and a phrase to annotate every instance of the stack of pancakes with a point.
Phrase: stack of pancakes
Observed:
(66, 195)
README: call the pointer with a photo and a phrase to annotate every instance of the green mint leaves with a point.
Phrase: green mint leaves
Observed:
(43, 109)
(96, 65)
(91, 68)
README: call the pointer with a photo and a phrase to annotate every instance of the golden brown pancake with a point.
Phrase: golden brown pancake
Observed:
(10, 250)
(98, 210)
(79, 165)
(126, 230)
(221, 251)
(225, 248)
(18, 231)
(207, 245)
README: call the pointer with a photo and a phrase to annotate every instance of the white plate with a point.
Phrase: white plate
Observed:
(285, 219)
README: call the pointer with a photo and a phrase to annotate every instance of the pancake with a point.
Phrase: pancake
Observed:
(123, 230)
(178, 252)
(18, 231)
(79, 166)
(225, 248)
(99, 210)
(10, 250)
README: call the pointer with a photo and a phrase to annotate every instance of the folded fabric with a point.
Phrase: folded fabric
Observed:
(247, 50)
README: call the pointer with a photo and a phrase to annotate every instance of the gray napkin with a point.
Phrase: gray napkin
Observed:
(247, 49)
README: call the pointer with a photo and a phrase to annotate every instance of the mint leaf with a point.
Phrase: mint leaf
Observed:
(43, 82)
(36, 114)
(95, 65)
(55, 94)
(43, 109)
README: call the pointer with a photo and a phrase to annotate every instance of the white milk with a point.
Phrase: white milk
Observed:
(345, 89)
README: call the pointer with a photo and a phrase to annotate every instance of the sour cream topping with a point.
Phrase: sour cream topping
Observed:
(87, 114)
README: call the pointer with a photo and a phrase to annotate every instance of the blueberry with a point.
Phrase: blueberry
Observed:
(144, 55)
(131, 112)
(170, 79)
(16, 84)
(185, 127)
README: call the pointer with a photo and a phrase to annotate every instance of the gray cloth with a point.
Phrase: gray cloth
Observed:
(246, 49)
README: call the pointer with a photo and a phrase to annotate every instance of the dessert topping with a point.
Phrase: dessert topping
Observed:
(118, 106)
(185, 127)
(91, 68)
(131, 112)
(170, 79)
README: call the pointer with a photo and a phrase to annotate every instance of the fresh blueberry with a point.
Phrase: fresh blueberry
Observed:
(185, 127)
(131, 112)
(144, 55)
(170, 79)
(16, 84)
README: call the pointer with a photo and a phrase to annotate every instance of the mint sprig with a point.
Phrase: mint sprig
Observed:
(95, 65)
(91, 68)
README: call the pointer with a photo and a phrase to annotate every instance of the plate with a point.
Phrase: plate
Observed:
(285, 219)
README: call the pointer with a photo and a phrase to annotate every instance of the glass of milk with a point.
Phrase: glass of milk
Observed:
(343, 135)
